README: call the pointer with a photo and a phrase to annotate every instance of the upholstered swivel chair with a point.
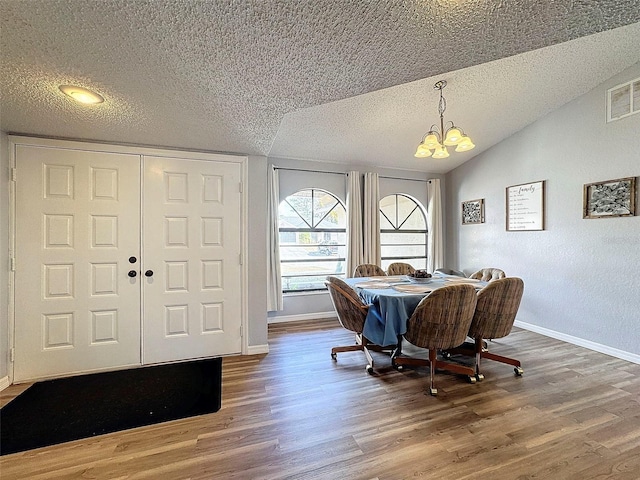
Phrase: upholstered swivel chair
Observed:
(400, 268)
(368, 270)
(441, 321)
(352, 312)
(495, 314)
(488, 274)
(449, 271)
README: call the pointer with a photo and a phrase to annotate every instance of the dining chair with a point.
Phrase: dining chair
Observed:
(450, 271)
(400, 268)
(352, 312)
(441, 321)
(495, 314)
(368, 270)
(488, 274)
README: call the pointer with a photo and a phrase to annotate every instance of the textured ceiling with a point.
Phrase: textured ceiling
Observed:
(303, 79)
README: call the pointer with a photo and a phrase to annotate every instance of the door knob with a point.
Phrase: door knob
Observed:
(133, 259)
(132, 273)
(148, 273)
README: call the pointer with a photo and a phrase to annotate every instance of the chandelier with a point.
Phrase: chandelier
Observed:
(439, 140)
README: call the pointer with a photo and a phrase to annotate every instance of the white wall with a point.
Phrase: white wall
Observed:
(257, 271)
(318, 304)
(582, 277)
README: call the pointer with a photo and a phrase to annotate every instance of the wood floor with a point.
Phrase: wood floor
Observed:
(296, 414)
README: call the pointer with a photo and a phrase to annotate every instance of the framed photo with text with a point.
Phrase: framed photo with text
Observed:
(525, 207)
(611, 198)
(473, 212)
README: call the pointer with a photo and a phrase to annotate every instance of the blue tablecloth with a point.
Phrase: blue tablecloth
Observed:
(390, 309)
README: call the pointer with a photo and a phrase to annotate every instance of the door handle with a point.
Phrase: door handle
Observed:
(148, 273)
(132, 273)
(133, 259)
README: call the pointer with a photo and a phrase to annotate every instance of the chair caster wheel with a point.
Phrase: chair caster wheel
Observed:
(479, 377)
(334, 356)
(369, 369)
(472, 379)
(433, 391)
(518, 371)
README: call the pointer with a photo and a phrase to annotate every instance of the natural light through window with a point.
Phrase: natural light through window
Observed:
(312, 225)
(403, 231)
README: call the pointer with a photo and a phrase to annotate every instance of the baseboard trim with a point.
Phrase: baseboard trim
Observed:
(257, 349)
(304, 316)
(4, 383)
(581, 342)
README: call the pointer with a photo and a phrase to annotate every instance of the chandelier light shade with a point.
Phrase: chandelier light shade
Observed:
(435, 142)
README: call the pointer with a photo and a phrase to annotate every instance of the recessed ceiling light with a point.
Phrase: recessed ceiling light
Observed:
(81, 95)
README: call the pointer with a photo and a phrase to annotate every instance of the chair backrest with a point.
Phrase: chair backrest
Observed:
(497, 307)
(368, 270)
(442, 319)
(400, 268)
(449, 271)
(488, 274)
(350, 308)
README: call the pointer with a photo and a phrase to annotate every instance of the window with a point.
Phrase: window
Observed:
(403, 231)
(312, 228)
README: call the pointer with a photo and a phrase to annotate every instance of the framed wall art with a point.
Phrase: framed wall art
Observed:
(525, 207)
(611, 198)
(473, 212)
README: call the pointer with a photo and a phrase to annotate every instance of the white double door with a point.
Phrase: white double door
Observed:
(123, 260)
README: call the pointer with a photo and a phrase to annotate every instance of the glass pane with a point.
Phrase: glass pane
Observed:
(384, 223)
(335, 218)
(414, 262)
(416, 221)
(323, 204)
(400, 237)
(388, 208)
(396, 251)
(289, 218)
(301, 203)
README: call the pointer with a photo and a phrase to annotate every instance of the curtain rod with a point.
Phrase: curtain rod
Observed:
(345, 173)
(310, 171)
(405, 179)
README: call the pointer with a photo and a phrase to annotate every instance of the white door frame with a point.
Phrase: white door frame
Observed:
(15, 140)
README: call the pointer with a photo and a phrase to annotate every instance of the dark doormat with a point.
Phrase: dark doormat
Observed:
(57, 411)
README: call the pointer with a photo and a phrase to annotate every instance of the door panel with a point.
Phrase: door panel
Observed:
(77, 224)
(192, 244)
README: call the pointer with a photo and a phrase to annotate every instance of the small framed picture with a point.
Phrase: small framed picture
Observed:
(473, 211)
(611, 198)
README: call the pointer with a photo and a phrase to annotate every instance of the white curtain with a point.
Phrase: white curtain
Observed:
(274, 279)
(435, 235)
(354, 222)
(371, 225)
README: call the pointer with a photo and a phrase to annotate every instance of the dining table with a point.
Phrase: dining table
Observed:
(393, 299)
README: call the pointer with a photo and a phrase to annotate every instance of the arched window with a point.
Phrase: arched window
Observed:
(312, 225)
(403, 231)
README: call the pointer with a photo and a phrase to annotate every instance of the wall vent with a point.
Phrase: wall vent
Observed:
(623, 100)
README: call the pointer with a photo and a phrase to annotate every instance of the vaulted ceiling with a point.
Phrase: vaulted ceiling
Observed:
(342, 81)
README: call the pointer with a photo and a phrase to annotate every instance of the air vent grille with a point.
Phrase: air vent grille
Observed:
(623, 100)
